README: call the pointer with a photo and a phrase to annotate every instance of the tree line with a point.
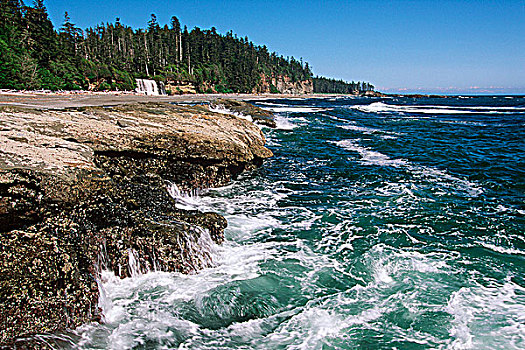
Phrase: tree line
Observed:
(326, 85)
(111, 56)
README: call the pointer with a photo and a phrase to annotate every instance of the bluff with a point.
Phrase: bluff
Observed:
(284, 84)
(88, 188)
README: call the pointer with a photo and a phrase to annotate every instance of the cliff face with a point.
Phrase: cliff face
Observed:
(284, 85)
(85, 189)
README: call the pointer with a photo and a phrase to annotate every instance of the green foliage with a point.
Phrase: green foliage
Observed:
(49, 81)
(69, 75)
(8, 71)
(326, 85)
(112, 55)
(103, 86)
(221, 89)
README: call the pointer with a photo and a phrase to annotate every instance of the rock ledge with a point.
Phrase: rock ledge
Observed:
(84, 189)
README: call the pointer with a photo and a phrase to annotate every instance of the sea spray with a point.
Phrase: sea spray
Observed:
(347, 239)
(187, 200)
(133, 263)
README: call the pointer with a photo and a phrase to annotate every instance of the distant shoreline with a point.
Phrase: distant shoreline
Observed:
(74, 99)
(79, 99)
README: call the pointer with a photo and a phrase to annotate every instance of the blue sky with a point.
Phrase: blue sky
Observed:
(400, 46)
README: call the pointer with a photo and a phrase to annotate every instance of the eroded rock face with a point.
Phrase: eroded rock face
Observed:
(86, 189)
(285, 85)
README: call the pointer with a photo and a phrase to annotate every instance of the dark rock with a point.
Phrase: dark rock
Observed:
(80, 192)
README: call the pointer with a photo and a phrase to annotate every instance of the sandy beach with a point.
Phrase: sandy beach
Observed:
(88, 99)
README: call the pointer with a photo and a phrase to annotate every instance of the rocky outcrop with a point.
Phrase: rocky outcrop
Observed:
(372, 94)
(180, 88)
(84, 189)
(240, 108)
(284, 85)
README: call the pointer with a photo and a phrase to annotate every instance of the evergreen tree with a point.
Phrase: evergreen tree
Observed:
(325, 85)
(111, 55)
(43, 37)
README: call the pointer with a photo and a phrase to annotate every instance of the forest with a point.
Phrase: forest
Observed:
(111, 56)
(326, 85)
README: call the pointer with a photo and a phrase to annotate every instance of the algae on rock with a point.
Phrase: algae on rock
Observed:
(82, 189)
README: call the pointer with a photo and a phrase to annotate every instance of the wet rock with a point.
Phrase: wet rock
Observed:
(259, 115)
(85, 189)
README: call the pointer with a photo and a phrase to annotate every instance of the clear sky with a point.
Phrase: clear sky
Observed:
(400, 46)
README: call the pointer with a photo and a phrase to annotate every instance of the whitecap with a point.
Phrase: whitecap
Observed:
(380, 107)
(296, 109)
(368, 156)
(502, 250)
(222, 110)
(473, 329)
(283, 123)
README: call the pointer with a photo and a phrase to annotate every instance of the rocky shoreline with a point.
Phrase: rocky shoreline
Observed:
(87, 188)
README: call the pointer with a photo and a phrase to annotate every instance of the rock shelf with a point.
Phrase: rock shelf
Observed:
(86, 188)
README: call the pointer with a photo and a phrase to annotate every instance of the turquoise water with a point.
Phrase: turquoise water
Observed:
(378, 224)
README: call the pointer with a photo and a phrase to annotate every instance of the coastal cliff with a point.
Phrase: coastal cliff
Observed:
(89, 188)
(285, 85)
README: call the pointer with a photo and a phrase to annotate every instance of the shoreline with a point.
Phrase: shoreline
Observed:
(97, 187)
(72, 99)
(81, 99)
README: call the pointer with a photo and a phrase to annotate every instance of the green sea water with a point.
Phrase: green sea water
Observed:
(390, 223)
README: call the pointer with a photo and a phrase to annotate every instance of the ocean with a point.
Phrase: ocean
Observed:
(380, 223)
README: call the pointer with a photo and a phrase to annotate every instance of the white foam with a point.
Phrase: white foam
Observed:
(340, 119)
(462, 122)
(220, 109)
(436, 175)
(370, 131)
(271, 104)
(360, 129)
(502, 250)
(369, 156)
(389, 265)
(488, 317)
(296, 109)
(308, 329)
(184, 200)
(283, 123)
(380, 107)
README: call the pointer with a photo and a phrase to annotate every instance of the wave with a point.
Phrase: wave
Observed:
(367, 130)
(502, 250)
(183, 200)
(283, 123)
(227, 111)
(272, 104)
(296, 109)
(429, 174)
(368, 156)
(488, 317)
(380, 107)
(462, 122)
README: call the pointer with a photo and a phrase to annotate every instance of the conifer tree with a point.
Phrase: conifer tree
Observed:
(111, 55)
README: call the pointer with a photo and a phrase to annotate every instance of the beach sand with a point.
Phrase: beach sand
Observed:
(85, 99)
